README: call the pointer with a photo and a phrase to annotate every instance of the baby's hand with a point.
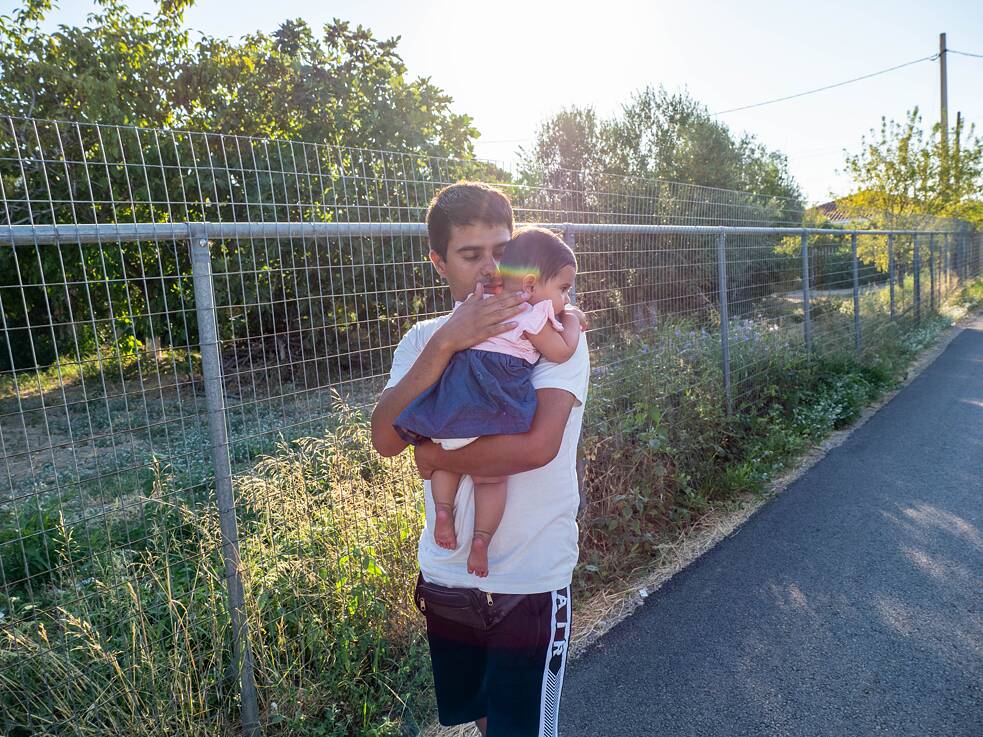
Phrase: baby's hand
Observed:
(576, 313)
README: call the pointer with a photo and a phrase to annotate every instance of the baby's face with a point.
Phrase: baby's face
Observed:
(556, 289)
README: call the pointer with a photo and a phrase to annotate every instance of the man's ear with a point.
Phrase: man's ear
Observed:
(438, 263)
(528, 282)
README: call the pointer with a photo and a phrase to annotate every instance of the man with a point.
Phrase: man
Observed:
(506, 679)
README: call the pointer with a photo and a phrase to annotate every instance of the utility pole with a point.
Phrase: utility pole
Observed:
(944, 117)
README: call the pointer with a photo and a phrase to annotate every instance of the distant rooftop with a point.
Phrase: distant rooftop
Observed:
(837, 212)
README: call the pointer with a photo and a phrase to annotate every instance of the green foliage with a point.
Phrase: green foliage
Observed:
(659, 136)
(305, 93)
(972, 294)
(31, 543)
(899, 174)
(343, 87)
(659, 161)
(340, 86)
(119, 68)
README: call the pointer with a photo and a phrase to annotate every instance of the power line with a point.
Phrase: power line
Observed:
(933, 57)
(963, 53)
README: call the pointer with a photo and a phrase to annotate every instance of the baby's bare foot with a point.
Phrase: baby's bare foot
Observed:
(478, 559)
(443, 529)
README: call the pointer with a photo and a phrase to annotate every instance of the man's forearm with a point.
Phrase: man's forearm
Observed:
(504, 455)
(492, 455)
(425, 372)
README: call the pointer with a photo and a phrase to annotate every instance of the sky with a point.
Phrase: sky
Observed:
(511, 64)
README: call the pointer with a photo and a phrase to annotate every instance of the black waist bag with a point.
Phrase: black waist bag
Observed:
(471, 607)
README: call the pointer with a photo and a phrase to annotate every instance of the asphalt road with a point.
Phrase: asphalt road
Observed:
(851, 604)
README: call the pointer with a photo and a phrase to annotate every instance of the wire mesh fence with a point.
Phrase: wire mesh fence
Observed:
(194, 529)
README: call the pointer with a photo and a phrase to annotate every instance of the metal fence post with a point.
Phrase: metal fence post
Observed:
(201, 268)
(967, 259)
(890, 270)
(965, 249)
(966, 272)
(974, 251)
(954, 251)
(960, 270)
(979, 253)
(952, 276)
(945, 263)
(953, 262)
(931, 271)
(807, 324)
(917, 282)
(963, 261)
(960, 276)
(724, 318)
(856, 294)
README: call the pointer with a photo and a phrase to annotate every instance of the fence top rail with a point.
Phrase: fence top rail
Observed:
(97, 233)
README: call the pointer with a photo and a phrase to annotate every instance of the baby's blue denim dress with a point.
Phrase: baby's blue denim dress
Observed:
(479, 393)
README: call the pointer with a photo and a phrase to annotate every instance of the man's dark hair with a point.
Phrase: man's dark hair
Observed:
(538, 250)
(465, 203)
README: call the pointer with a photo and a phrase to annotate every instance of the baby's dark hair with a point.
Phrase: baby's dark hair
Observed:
(536, 250)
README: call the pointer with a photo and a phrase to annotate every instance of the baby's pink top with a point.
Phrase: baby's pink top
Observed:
(531, 320)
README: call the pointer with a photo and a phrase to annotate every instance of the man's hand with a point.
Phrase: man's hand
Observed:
(478, 319)
(577, 313)
(423, 455)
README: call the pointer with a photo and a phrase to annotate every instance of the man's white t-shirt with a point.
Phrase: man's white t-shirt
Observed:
(535, 547)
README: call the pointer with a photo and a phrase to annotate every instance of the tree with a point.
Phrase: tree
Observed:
(567, 167)
(658, 136)
(322, 104)
(341, 87)
(899, 175)
(120, 68)
(657, 162)
(672, 136)
(904, 180)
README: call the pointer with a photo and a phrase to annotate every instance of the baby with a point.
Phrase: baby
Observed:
(487, 390)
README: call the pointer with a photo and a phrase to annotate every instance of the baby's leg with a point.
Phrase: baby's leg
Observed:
(489, 506)
(443, 486)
